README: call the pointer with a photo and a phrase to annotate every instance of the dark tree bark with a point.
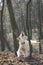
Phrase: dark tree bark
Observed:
(29, 37)
(29, 17)
(13, 24)
(2, 31)
(40, 31)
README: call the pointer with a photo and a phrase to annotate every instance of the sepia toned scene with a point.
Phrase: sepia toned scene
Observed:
(21, 32)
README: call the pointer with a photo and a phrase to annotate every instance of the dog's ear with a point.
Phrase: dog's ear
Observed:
(23, 33)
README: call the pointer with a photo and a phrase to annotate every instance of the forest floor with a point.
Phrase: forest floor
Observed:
(8, 58)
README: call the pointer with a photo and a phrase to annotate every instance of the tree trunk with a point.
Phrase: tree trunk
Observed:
(2, 31)
(29, 37)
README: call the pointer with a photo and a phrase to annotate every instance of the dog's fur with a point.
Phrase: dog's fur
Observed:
(23, 49)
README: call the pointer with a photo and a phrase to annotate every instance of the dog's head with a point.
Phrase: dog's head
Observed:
(22, 37)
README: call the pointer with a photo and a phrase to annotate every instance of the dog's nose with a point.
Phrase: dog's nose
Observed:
(22, 34)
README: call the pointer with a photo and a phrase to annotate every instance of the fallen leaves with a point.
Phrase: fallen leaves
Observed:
(9, 58)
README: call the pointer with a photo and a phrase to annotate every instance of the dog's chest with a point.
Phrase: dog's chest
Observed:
(24, 48)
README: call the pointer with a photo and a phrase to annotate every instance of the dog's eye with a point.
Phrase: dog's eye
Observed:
(23, 43)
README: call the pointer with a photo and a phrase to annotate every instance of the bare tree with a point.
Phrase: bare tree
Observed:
(39, 17)
(13, 24)
(2, 31)
(29, 37)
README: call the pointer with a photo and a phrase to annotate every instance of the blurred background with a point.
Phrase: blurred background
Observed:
(17, 16)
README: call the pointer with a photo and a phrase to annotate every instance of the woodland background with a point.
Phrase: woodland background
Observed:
(18, 16)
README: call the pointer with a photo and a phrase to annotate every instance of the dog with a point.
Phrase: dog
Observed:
(24, 49)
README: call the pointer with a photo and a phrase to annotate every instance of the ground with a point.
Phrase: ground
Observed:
(8, 58)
